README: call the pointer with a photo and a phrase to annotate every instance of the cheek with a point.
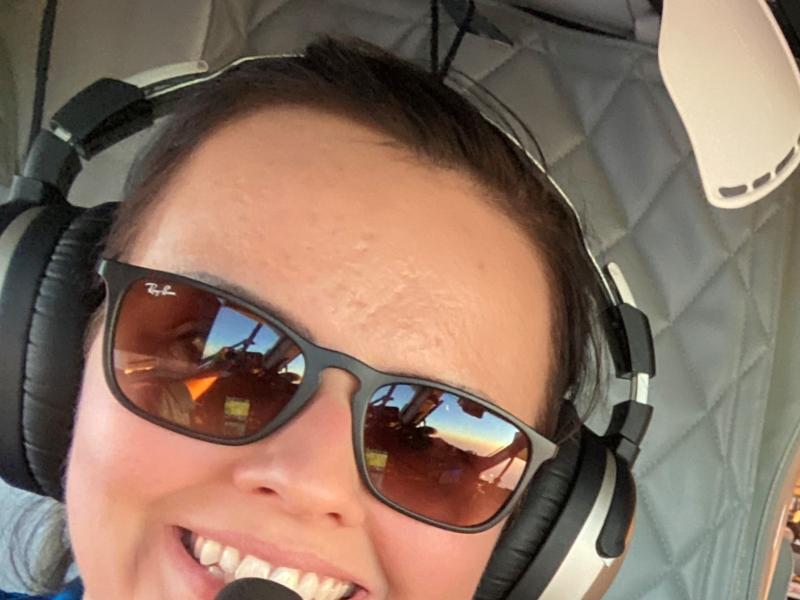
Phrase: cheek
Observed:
(127, 476)
(115, 451)
(421, 561)
(121, 472)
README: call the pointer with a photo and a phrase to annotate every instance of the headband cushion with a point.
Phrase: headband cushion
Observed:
(524, 536)
(54, 364)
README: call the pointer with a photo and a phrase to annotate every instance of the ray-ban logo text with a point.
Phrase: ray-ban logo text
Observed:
(154, 290)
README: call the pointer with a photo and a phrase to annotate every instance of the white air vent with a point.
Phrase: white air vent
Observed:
(736, 86)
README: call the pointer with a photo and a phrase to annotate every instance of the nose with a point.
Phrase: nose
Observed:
(307, 467)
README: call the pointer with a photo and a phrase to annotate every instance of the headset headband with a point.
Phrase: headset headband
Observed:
(595, 497)
(111, 110)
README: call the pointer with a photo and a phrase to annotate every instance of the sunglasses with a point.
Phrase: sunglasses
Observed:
(205, 363)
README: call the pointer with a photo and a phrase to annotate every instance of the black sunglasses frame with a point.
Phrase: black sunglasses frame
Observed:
(119, 277)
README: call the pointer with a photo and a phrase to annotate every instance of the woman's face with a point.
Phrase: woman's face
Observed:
(403, 265)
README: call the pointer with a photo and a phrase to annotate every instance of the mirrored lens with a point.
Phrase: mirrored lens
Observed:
(441, 455)
(191, 358)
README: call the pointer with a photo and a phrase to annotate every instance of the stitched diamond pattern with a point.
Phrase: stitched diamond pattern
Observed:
(709, 280)
(8, 120)
(713, 279)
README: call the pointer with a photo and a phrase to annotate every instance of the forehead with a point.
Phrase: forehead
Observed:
(404, 265)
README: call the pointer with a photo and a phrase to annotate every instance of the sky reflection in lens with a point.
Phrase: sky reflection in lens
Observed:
(442, 455)
(239, 331)
(481, 432)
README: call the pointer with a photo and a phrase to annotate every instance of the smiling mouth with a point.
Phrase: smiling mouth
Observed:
(228, 563)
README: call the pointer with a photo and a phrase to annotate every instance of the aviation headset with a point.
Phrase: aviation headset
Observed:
(570, 534)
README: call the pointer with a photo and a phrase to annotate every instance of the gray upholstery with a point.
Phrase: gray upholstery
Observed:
(8, 118)
(783, 571)
(719, 286)
(634, 19)
(19, 35)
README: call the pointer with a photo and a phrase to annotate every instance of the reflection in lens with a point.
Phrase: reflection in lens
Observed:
(201, 362)
(441, 455)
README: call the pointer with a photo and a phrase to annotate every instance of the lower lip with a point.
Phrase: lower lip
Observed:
(204, 585)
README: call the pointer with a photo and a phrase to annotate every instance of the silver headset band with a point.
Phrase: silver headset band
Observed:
(161, 83)
(583, 565)
(182, 76)
(10, 238)
(163, 86)
(615, 286)
(612, 297)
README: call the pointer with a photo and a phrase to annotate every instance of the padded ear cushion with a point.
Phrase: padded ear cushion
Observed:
(54, 364)
(524, 536)
(27, 239)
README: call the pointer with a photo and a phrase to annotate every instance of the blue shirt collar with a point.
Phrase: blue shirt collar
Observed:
(73, 591)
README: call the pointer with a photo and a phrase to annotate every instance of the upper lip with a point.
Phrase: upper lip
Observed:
(276, 555)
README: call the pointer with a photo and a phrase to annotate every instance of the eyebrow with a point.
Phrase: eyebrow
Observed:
(259, 301)
(247, 295)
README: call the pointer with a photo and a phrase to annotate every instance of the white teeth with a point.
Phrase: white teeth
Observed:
(227, 563)
(229, 560)
(307, 586)
(341, 590)
(285, 576)
(252, 567)
(325, 590)
(210, 552)
(198, 544)
(336, 591)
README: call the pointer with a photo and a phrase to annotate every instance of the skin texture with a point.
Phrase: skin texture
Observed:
(376, 254)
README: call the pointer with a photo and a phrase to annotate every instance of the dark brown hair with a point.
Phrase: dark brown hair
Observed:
(415, 110)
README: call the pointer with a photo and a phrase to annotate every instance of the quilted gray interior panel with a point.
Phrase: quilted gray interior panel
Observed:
(8, 118)
(711, 281)
(636, 19)
(19, 30)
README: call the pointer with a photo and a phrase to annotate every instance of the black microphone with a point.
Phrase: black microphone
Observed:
(253, 588)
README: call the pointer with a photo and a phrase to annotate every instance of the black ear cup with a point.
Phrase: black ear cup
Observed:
(46, 300)
(523, 537)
